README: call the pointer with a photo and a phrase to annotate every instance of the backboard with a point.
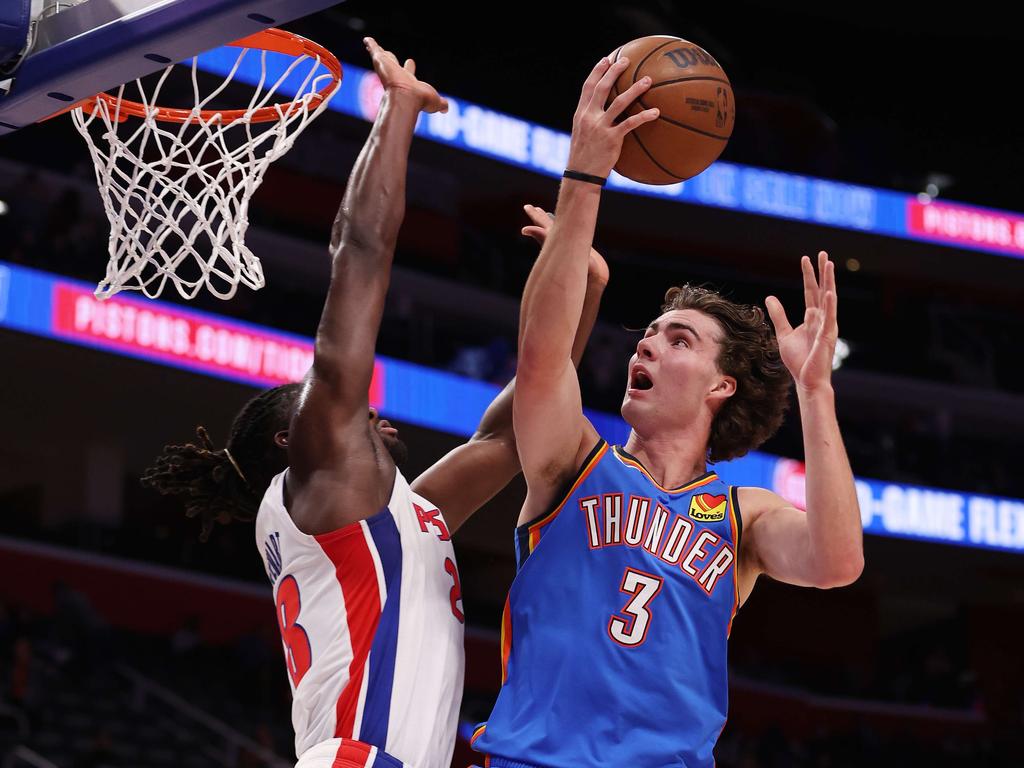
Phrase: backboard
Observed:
(77, 50)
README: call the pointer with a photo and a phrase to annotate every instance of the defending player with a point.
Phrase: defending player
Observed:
(365, 583)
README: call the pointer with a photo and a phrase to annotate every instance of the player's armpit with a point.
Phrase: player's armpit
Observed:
(322, 426)
(552, 434)
(336, 476)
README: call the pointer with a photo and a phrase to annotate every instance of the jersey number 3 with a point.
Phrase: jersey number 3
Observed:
(630, 627)
(297, 652)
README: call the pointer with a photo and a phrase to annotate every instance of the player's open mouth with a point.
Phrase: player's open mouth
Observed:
(640, 380)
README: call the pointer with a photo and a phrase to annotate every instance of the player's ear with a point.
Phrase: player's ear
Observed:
(281, 439)
(724, 388)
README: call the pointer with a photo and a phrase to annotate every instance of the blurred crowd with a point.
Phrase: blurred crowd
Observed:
(55, 664)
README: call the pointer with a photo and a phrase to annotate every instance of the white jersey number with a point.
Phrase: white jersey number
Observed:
(630, 629)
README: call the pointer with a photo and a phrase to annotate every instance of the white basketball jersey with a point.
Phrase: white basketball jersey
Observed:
(372, 626)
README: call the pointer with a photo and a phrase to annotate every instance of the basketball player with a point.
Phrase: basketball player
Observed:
(365, 582)
(634, 560)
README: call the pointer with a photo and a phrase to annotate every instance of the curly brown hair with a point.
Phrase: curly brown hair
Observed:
(750, 354)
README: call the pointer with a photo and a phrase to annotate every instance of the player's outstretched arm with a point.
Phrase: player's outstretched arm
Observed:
(472, 474)
(328, 440)
(824, 546)
(550, 428)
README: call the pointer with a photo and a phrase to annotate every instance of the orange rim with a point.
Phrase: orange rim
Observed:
(276, 40)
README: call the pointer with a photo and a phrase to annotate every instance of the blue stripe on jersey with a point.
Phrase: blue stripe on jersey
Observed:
(377, 708)
(618, 621)
(383, 760)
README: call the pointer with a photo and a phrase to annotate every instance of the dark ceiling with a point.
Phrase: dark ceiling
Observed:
(880, 94)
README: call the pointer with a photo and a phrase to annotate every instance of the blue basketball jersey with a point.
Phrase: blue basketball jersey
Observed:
(615, 630)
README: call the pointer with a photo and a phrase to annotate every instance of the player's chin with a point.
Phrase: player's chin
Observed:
(628, 401)
(632, 407)
(626, 408)
(398, 450)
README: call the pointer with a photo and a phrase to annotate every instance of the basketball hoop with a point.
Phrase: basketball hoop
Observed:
(176, 183)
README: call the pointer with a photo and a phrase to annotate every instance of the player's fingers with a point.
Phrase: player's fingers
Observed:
(635, 121)
(375, 50)
(822, 261)
(627, 97)
(604, 85)
(812, 319)
(778, 316)
(587, 92)
(538, 216)
(537, 233)
(810, 284)
(410, 66)
(828, 281)
(831, 327)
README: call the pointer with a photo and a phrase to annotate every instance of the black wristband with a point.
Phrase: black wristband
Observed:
(577, 176)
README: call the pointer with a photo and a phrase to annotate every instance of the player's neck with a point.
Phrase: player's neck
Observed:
(673, 458)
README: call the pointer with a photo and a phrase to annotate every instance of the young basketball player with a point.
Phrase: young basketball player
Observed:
(634, 560)
(365, 583)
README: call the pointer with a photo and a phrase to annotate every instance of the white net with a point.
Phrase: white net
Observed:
(177, 194)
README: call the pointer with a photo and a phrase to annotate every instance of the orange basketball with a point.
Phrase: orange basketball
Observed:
(696, 105)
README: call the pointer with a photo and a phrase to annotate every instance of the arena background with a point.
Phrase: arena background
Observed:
(886, 138)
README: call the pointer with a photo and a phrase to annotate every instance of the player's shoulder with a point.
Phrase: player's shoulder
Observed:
(753, 501)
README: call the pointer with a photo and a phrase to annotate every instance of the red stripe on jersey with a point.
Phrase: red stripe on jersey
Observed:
(351, 754)
(349, 551)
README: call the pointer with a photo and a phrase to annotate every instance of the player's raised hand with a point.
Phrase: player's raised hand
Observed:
(397, 77)
(597, 267)
(596, 137)
(807, 350)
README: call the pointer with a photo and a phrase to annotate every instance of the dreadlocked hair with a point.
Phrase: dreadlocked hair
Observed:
(221, 485)
(750, 354)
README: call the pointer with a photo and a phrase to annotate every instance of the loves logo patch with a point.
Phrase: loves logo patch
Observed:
(706, 508)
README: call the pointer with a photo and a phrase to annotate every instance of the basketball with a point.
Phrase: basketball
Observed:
(697, 110)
